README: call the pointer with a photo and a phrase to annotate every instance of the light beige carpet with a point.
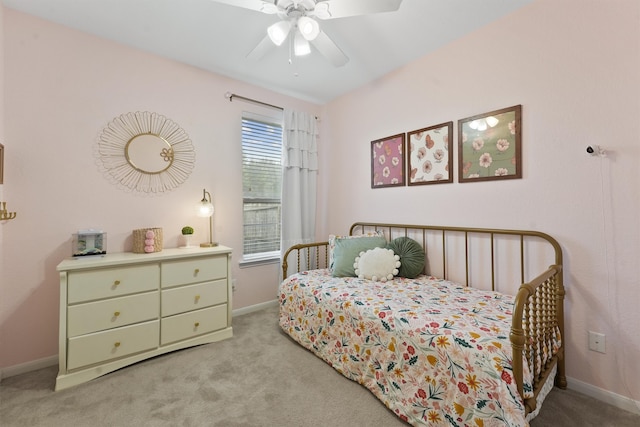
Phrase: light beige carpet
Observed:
(259, 377)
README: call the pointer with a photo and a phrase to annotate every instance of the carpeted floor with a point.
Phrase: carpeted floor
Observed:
(258, 378)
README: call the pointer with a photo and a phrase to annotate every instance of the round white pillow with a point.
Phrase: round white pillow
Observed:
(378, 264)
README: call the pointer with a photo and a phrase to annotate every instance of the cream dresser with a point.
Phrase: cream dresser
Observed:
(122, 308)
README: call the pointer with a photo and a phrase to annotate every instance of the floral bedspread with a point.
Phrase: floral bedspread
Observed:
(434, 352)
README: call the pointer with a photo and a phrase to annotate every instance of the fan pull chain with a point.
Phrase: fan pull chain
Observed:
(290, 50)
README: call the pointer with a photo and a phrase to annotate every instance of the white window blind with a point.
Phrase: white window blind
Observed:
(261, 186)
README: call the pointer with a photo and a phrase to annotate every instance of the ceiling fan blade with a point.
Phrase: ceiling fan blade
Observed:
(330, 9)
(265, 6)
(261, 49)
(329, 49)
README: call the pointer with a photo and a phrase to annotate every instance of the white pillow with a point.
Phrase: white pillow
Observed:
(378, 264)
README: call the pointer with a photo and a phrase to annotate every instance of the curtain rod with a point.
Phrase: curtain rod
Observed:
(255, 101)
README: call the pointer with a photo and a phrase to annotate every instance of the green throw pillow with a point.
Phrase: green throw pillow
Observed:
(412, 256)
(346, 251)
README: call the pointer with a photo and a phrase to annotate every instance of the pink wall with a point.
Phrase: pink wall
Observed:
(62, 87)
(574, 66)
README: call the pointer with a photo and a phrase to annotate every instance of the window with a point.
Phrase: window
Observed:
(261, 187)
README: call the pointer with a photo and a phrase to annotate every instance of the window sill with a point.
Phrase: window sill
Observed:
(252, 262)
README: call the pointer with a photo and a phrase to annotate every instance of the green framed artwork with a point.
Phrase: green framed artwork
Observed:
(490, 146)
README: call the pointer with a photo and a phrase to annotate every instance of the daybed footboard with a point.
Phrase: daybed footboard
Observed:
(537, 327)
(537, 322)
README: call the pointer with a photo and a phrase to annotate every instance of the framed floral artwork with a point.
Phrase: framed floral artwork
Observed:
(430, 155)
(387, 161)
(490, 146)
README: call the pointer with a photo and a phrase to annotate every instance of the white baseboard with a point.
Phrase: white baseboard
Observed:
(23, 368)
(605, 396)
(252, 308)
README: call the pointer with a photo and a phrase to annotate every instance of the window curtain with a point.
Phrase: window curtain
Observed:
(299, 179)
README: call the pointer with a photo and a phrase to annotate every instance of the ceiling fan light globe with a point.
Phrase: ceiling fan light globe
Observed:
(279, 31)
(308, 27)
(301, 46)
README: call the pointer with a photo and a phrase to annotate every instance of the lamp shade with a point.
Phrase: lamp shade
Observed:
(279, 31)
(205, 209)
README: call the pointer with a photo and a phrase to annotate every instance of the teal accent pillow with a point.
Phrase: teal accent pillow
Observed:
(412, 256)
(347, 249)
(333, 238)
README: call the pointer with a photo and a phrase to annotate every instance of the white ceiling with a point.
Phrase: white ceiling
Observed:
(217, 37)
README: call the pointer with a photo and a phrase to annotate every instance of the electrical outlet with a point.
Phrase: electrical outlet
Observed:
(597, 342)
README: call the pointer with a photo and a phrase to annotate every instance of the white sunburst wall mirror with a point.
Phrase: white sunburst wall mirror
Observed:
(145, 152)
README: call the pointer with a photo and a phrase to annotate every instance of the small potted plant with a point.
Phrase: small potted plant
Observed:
(187, 232)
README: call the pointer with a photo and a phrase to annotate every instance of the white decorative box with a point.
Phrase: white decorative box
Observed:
(89, 242)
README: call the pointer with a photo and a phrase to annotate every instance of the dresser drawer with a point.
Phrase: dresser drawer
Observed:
(193, 323)
(174, 273)
(111, 313)
(192, 297)
(112, 344)
(111, 282)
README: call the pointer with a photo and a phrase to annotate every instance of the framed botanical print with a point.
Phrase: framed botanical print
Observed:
(387, 161)
(490, 146)
(430, 155)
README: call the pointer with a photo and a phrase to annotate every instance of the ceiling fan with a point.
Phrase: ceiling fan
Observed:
(300, 18)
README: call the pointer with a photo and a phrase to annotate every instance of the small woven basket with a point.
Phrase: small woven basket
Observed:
(142, 244)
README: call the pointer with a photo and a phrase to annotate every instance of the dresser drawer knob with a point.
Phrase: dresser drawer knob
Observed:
(116, 314)
(197, 298)
(196, 271)
(116, 344)
(196, 324)
(116, 283)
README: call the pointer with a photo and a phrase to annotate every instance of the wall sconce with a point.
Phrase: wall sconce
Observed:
(205, 209)
(5, 215)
